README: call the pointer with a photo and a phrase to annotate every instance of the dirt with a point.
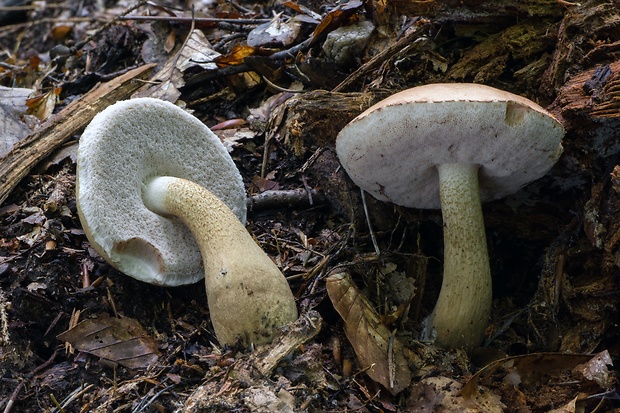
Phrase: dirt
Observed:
(554, 245)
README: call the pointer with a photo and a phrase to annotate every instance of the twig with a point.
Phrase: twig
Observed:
(391, 367)
(380, 58)
(72, 396)
(198, 20)
(271, 136)
(145, 403)
(5, 338)
(372, 233)
(243, 67)
(61, 127)
(283, 199)
(280, 88)
(21, 385)
(11, 402)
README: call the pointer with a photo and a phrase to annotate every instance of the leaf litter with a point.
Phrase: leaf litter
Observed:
(48, 269)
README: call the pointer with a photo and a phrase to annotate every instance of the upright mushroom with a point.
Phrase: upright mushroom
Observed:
(162, 201)
(450, 146)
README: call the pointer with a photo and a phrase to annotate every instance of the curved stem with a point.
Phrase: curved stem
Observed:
(249, 298)
(462, 310)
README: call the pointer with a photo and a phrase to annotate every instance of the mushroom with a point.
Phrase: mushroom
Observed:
(450, 146)
(161, 200)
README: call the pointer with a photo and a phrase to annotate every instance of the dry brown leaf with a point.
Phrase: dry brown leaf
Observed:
(120, 340)
(531, 369)
(376, 348)
(300, 8)
(43, 106)
(236, 56)
(263, 184)
(234, 138)
(335, 19)
(61, 31)
(443, 394)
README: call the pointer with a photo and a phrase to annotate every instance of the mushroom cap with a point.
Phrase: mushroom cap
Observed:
(124, 147)
(391, 150)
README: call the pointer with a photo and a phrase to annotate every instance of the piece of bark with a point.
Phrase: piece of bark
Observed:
(62, 126)
(588, 107)
(292, 198)
(477, 11)
(307, 124)
(312, 120)
(585, 39)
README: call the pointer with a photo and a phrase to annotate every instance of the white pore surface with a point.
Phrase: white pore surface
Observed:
(392, 149)
(124, 147)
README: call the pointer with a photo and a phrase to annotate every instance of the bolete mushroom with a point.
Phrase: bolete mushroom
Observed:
(161, 200)
(450, 146)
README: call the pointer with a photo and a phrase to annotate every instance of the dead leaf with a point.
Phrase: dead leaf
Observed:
(274, 33)
(236, 56)
(442, 394)
(234, 138)
(12, 108)
(264, 184)
(120, 340)
(530, 370)
(335, 19)
(376, 348)
(300, 8)
(197, 51)
(596, 369)
(43, 106)
(61, 31)
(570, 407)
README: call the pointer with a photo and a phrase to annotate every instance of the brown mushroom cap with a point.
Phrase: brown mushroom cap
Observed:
(391, 150)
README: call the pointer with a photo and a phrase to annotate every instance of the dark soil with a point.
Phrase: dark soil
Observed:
(554, 245)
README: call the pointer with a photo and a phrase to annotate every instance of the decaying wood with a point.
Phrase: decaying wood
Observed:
(284, 199)
(313, 119)
(62, 126)
(248, 375)
(593, 94)
(477, 11)
(585, 39)
(306, 327)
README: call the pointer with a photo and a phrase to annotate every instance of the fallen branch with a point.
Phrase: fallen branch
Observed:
(197, 20)
(402, 45)
(284, 199)
(27, 153)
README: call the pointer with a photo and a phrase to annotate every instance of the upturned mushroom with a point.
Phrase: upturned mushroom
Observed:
(452, 146)
(161, 200)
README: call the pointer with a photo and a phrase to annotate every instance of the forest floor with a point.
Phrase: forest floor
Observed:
(277, 81)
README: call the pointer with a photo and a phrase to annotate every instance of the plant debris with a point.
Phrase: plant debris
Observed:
(278, 81)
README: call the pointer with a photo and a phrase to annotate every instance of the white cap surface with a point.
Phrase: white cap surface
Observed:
(392, 149)
(124, 147)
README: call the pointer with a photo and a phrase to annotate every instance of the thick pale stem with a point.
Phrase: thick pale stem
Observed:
(462, 310)
(248, 296)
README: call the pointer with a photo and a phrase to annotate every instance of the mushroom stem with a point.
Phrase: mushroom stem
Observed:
(462, 310)
(248, 296)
